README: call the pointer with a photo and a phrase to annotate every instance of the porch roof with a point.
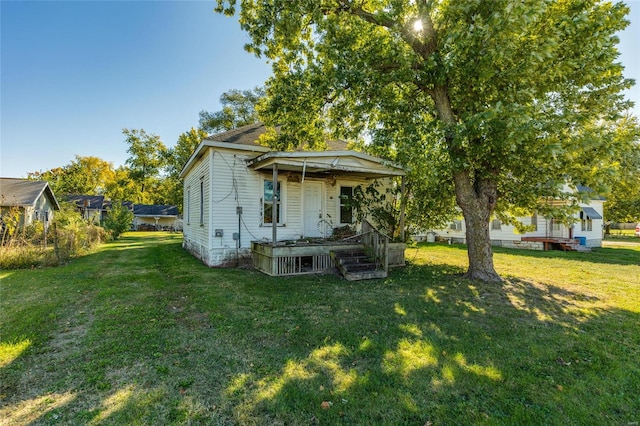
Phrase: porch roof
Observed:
(326, 162)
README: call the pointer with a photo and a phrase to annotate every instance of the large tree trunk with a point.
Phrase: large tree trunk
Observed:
(477, 201)
(476, 197)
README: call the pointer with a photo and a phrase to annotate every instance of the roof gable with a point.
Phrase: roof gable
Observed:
(245, 138)
(24, 193)
(590, 192)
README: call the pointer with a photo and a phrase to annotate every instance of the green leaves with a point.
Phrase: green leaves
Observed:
(522, 96)
(238, 109)
(147, 157)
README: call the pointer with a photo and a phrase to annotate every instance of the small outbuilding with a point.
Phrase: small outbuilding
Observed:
(155, 217)
(34, 199)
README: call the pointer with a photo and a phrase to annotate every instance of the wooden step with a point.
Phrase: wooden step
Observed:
(356, 265)
(365, 275)
(360, 266)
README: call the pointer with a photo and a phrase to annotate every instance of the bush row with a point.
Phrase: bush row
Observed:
(34, 246)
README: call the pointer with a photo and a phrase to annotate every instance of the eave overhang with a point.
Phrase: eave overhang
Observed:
(334, 163)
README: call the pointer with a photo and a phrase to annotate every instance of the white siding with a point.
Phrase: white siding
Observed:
(196, 234)
(234, 185)
(593, 237)
(507, 233)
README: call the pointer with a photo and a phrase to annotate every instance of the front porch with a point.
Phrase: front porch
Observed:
(318, 255)
(364, 256)
(555, 243)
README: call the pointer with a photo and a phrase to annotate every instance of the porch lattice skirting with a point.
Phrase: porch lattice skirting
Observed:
(294, 260)
(301, 258)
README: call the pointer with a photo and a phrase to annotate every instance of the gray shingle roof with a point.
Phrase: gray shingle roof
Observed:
(592, 194)
(95, 202)
(151, 210)
(21, 192)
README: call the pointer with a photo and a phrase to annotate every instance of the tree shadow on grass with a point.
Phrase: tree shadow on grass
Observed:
(425, 345)
(452, 351)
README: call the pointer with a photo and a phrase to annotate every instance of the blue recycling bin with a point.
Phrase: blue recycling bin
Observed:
(583, 240)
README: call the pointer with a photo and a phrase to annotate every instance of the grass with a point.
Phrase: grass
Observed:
(140, 332)
(622, 235)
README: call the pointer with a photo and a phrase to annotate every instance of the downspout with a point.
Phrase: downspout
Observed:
(304, 169)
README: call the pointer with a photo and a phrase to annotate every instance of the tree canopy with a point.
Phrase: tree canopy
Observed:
(84, 175)
(495, 104)
(238, 109)
(147, 158)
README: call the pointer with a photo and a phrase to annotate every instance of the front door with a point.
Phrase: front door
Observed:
(313, 225)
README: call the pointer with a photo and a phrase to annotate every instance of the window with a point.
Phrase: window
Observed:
(346, 204)
(269, 198)
(534, 221)
(496, 225)
(587, 223)
(556, 225)
(456, 225)
(202, 202)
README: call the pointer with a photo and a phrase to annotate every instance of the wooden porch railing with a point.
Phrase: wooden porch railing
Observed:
(377, 242)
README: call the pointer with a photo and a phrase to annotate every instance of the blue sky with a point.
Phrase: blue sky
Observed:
(73, 74)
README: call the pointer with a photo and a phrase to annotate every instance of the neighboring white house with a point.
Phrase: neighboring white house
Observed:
(230, 198)
(156, 217)
(587, 229)
(35, 199)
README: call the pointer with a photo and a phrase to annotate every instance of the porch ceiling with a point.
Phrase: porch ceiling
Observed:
(326, 162)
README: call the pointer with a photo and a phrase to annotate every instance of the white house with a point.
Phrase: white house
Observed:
(584, 232)
(230, 199)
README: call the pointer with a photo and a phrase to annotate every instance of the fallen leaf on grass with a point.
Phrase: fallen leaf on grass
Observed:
(325, 405)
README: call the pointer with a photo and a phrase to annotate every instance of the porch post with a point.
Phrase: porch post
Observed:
(274, 209)
(403, 204)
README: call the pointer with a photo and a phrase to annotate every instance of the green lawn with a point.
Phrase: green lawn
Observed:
(140, 332)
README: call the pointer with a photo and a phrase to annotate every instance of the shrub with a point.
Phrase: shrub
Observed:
(69, 236)
(118, 219)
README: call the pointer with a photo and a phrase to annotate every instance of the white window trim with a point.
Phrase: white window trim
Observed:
(202, 201)
(340, 204)
(282, 201)
(456, 225)
(586, 223)
(534, 220)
